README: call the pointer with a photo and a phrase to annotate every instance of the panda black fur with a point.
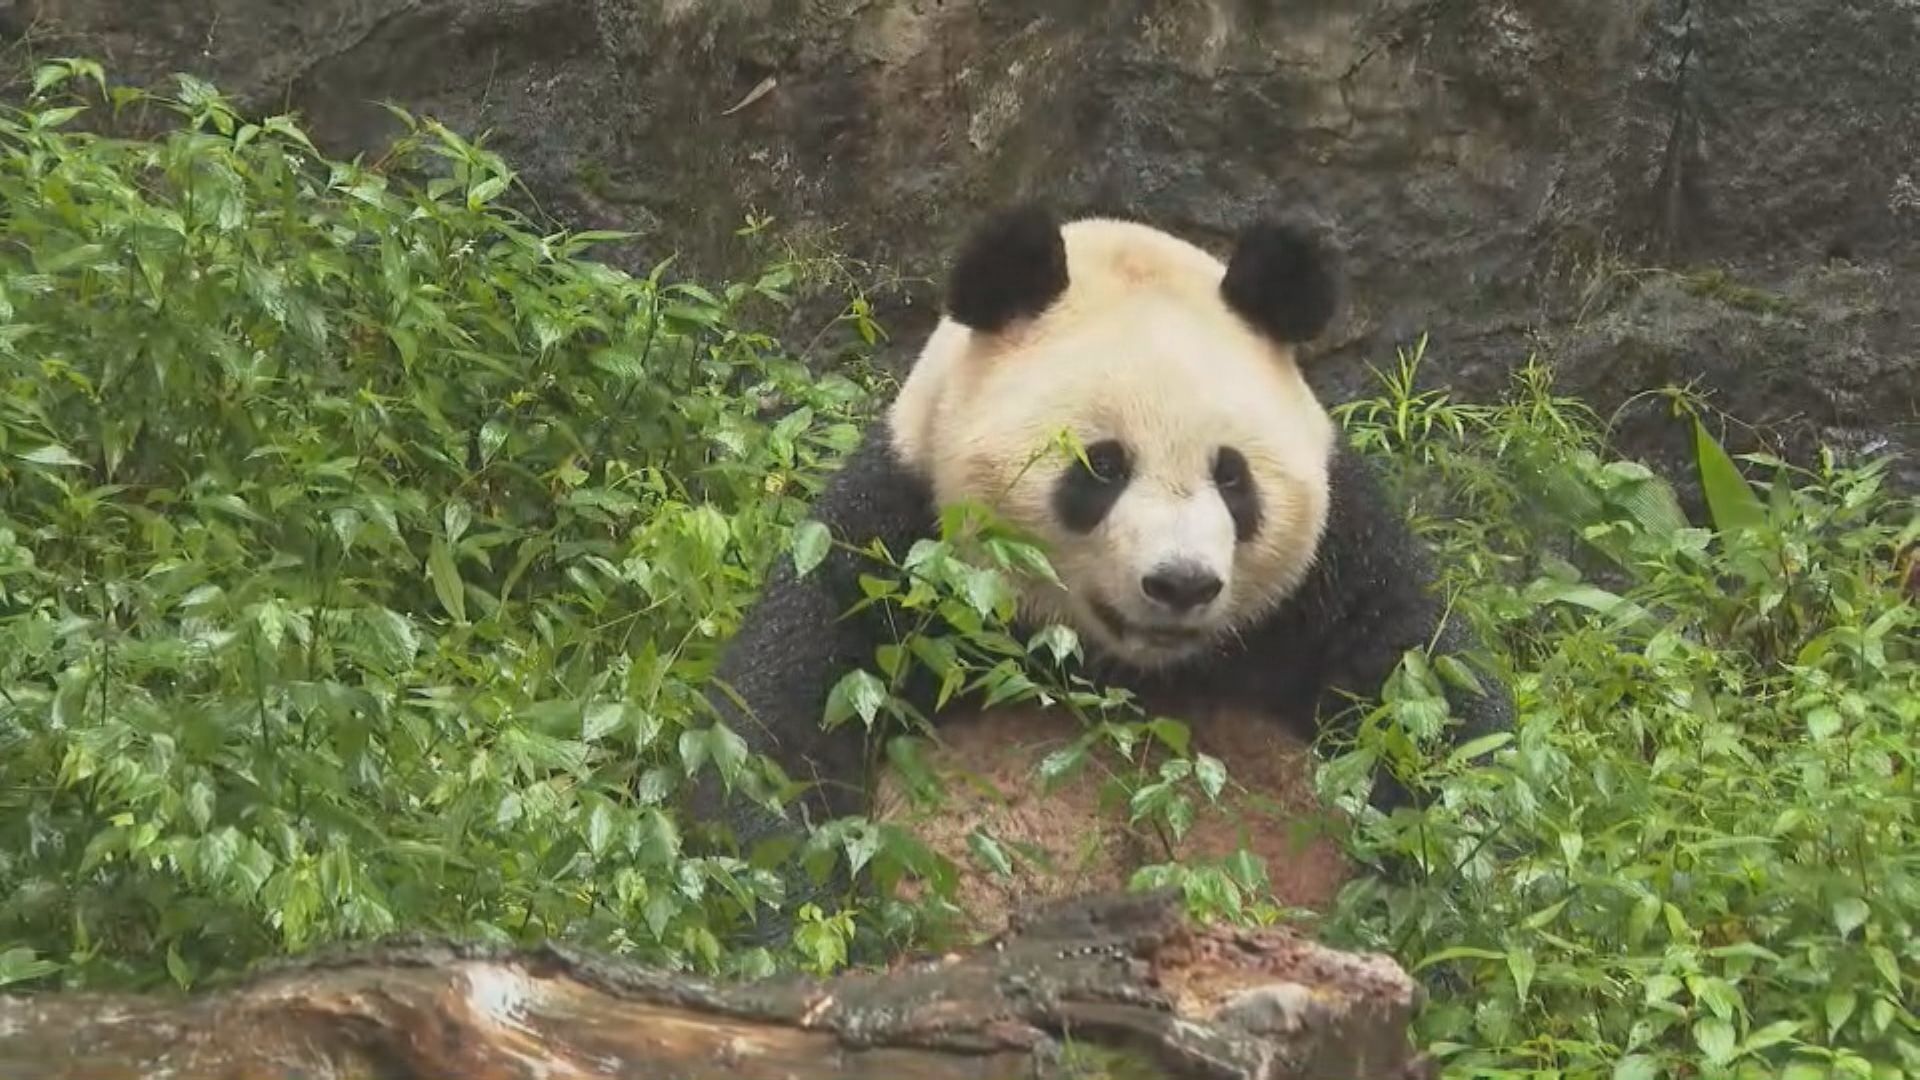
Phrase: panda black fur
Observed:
(1277, 575)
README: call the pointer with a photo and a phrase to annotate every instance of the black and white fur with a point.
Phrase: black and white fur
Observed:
(1226, 547)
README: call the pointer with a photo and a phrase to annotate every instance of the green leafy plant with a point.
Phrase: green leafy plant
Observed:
(1697, 856)
(363, 550)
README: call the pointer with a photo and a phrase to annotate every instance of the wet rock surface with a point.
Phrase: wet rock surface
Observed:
(1506, 176)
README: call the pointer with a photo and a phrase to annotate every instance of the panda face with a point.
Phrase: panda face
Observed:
(1203, 491)
(1200, 499)
(1181, 536)
(1184, 534)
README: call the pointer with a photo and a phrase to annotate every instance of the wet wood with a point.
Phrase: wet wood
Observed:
(1106, 986)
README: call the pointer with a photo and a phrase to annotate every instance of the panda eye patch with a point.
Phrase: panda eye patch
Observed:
(1230, 469)
(1233, 478)
(1085, 494)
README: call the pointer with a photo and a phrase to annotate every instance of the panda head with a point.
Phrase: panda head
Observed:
(1207, 489)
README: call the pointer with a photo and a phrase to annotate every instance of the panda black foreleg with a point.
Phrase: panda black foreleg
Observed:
(1371, 597)
(793, 645)
(1365, 663)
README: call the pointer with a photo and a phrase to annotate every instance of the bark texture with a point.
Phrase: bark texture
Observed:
(1104, 986)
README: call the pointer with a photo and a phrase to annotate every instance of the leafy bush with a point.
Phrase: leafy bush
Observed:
(1700, 854)
(362, 550)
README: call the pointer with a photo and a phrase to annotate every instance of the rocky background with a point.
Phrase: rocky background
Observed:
(1725, 192)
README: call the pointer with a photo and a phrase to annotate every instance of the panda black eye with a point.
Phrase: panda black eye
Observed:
(1234, 479)
(1229, 469)
(1085, 494)
(1109, 461)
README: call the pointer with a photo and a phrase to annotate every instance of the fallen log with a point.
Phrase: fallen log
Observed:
(1123, 982)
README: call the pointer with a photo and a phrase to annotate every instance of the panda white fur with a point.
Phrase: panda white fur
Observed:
(1226, 557)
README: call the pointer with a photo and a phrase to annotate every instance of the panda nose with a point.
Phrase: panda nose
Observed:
(1181, 586)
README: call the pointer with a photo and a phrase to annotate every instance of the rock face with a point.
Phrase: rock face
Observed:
(1505, 174)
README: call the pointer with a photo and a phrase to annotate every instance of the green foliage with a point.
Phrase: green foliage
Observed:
(363, 551)
(1699, 854)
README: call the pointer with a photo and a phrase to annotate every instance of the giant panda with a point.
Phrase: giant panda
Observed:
(1219, 551)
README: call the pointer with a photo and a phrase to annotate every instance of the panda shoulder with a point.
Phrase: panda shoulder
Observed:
(1367, 555)
(876, 491)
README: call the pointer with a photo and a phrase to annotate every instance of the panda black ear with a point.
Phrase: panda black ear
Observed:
(1283, 279)
(1013, 266)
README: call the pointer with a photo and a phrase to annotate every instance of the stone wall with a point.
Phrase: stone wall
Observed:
(1638, 191)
